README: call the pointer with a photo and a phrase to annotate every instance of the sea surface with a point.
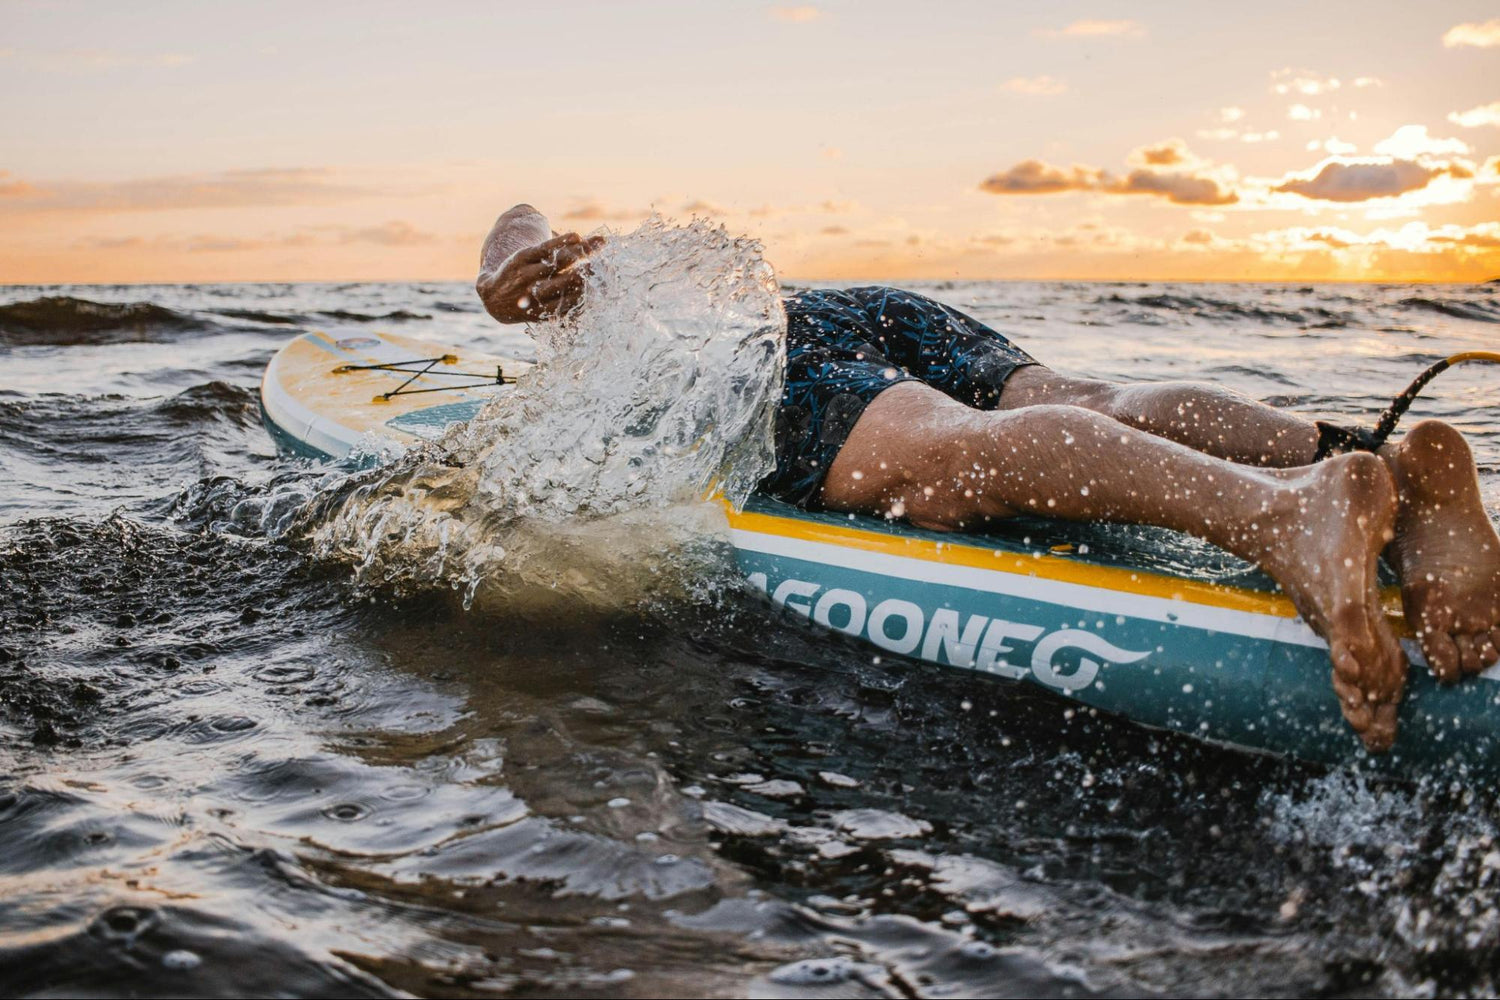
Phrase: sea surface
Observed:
(229, 768)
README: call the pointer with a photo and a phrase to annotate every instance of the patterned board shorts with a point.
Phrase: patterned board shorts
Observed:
(843, 348)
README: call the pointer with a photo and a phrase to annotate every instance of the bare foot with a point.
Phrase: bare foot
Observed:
(1446, 551)
(1323, 548)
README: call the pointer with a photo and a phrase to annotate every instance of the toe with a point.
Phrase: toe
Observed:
(1488, 651)
(1468, 655)
(1442, 655)
(1352, 701)
(1381, 734)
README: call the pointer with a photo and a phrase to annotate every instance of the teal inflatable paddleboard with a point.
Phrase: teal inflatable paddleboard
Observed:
(1129, 621)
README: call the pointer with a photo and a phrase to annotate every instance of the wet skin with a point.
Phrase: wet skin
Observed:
(1223, 467)
(1318, 530)
(1445, 550)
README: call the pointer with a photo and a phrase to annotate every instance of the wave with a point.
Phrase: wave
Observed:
(125, 431)
(1478, 311)
(65, 321)
(262, 316)
(1205, 307)
(395, 316)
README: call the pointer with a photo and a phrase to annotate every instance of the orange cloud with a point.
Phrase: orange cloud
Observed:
(229, 189)
(1178, 187)
(390, 234)
(1411, 142)
(1036, 177)
(1351, 180)
(700, 207)
(1484, 36)
(1485, 114)
(592, 211)
(1171, 153)
(1485, 236)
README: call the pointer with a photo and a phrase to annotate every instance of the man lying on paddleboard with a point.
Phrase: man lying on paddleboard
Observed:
(898, 406)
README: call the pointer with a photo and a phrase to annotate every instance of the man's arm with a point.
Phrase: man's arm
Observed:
(525, 275)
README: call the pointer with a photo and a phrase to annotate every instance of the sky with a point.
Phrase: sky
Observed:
(858, 139)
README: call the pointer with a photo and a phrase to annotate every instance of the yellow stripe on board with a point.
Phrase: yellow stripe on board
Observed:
(1046, 567)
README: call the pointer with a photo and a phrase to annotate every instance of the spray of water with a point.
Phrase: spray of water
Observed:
(589, 478)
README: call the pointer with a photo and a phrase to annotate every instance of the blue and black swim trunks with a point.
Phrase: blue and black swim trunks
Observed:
(845, 347)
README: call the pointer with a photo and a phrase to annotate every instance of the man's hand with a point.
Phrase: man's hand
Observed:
(540, 282)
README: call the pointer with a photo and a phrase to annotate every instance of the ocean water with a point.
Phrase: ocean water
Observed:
(229, 768)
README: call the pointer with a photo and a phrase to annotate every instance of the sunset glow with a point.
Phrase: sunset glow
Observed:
(279, 141)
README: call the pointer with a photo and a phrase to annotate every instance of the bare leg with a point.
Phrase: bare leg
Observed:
(1446, 550)
(1318, 531)
(1206, 418)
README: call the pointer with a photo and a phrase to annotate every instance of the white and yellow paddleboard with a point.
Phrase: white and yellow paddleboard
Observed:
(324, 397)
(1193, 644)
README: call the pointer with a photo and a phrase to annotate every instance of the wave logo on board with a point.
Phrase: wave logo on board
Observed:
(976, 642)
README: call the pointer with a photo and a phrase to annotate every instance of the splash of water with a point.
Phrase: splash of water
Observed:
(590, 476)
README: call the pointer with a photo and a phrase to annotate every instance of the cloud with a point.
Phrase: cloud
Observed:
(1169, 153)
(14, 189)
(593, 211)
(1352, 180)
(1230, 125)
(834, 231)
(1199, 237)
(1034, 85)
(1410, 142)
(795, 15)
(1036, 177)
(1414, 237)
(1333, 145)
(1485, 114)
(1180, 188)
(1484, 36)
(229, 189)
(1484, 236)
(389, 234)
(700, 207)
(1303, 113)
(1304, 82)
(1089, 28)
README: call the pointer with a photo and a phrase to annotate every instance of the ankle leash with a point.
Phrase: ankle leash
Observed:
(1339, 439)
